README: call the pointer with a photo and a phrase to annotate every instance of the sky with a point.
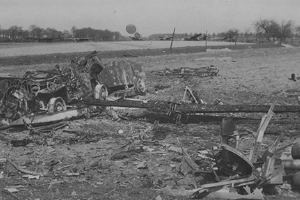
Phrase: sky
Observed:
(149, 16)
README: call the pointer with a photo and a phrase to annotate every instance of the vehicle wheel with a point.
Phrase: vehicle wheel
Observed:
(296, 150)
(56, 104)
(140, 86)
(296, 180)
(100, 92)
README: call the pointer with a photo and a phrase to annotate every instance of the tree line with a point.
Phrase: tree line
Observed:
(37, 34)
(266, 30)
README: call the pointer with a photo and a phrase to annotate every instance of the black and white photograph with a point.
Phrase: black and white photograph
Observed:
(149, 99)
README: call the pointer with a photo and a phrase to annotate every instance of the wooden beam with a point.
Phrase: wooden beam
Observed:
(164, 106)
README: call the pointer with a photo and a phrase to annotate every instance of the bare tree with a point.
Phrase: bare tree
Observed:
(286, 30)
(35, 31)
(297, 31)
(268, 29)
(15, 32)
(271, 30)
(73, 30)
(231, 35)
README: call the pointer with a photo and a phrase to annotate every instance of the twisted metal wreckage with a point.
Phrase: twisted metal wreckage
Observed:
(57, 94)
(41, 97)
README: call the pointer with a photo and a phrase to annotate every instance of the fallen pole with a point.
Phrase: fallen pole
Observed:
(164, 106)
(40, 119)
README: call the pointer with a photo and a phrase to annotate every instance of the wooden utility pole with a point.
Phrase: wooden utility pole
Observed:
(165, 106)
(206, 40)
(171, 46)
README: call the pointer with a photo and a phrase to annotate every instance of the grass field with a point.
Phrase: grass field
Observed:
(21, 49)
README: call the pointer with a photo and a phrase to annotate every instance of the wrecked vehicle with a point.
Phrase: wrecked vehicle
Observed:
(52, 91)
(38, 91)
(118, 78)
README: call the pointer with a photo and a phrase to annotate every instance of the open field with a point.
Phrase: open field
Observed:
(21, 49)
(78, 164)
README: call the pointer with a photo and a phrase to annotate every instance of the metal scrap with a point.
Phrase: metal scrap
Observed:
(38, 91)
(260, 134)
(190, 96)
(234, 169)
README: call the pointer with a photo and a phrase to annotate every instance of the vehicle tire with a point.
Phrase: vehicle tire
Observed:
(100, 92)
(140, 86)
(296, 180)
(296, 150)
(56, 104)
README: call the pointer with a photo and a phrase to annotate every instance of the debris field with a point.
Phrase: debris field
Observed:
(228, 134)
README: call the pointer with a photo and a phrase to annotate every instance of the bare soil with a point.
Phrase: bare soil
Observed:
(103, 158)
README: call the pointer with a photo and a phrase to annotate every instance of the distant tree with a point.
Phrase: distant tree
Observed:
(231, 35)
(15, 33)
(271, 30)
(286, 30)
(95, 34)
(52, 33)
(35, 32)
(267, 29)
(73, 30)
(25, 35)
(297, 31)
(67, 34)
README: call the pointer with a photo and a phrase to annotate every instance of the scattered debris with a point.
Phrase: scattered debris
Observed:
(180, 192)
(161, 87)
(142, 165)
(126, 154)
(20, 142)
(211, 59)
(225, 193)
(31, 176)
(230, 170)
(175, 149)
(190, 96)
(219, 50)
(14, 188)
(158, 198)
(24, 170)
(188, 71)
(260, 134)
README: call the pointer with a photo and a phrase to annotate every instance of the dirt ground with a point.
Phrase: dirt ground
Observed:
(107, 158)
